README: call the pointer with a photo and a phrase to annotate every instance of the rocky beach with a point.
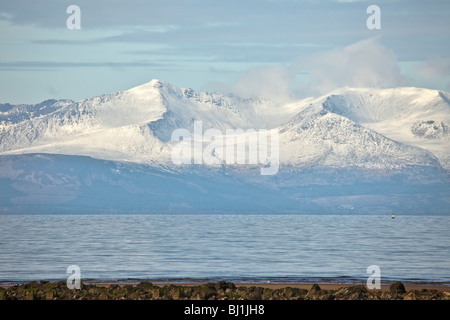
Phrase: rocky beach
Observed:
(221, 290)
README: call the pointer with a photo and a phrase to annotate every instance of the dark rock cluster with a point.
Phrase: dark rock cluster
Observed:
(209, 291)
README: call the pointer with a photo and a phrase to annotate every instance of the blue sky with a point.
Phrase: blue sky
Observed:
(273, 48)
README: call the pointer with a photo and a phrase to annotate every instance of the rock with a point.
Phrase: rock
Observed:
(397, 287)
(207, 290)
(184, 293)
(295, 293)
(145, 286)
(434, 295)
(351, 293)
(211, 291)
(267, 294)
(315, 292)
(224, 285)
(254, 293)
(166, 292)
(31, 294)
(103, 296)
(49, 294)
(31, 285)
(155, 293)
(315, 287)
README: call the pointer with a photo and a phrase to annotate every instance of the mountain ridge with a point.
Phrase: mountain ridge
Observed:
(137, 123)
(353, 151)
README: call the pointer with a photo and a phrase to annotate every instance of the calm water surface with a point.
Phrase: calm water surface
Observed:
(232, 247)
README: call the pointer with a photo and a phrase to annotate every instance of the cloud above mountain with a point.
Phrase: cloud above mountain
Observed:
(366, 63)
(193, 43)
(436, 68)
(271, 82)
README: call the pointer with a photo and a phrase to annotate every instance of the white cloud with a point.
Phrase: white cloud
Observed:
(269, 82)
(366, 63)
(435, 67)
(435, 72)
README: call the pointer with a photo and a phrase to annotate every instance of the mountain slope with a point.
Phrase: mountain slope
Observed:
(354, 127)
(326, 139)
(61, 184)
(351, 151)
(133, 125)
(413, 116)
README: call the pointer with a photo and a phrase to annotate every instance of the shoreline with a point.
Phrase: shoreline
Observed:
(327, 285)
(306, 286)
(134, 289)
(274, 284)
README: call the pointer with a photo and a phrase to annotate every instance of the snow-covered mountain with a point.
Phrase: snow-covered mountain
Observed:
(133, 125)
(363, 138)
(412, 116)
(351, 127)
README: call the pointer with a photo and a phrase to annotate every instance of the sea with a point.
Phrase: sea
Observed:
(238, 248)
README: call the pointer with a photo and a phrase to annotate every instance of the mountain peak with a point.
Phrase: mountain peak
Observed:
(327, 127)
(154, 90)
(154, 83)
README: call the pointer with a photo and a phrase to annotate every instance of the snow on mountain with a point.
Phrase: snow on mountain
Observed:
(320, 138)
(109, 126)
(10, 114)
(133, 125)
(366, 150)
(369, 128)
(413, 116)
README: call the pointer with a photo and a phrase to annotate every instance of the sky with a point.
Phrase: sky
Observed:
(274, 48)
